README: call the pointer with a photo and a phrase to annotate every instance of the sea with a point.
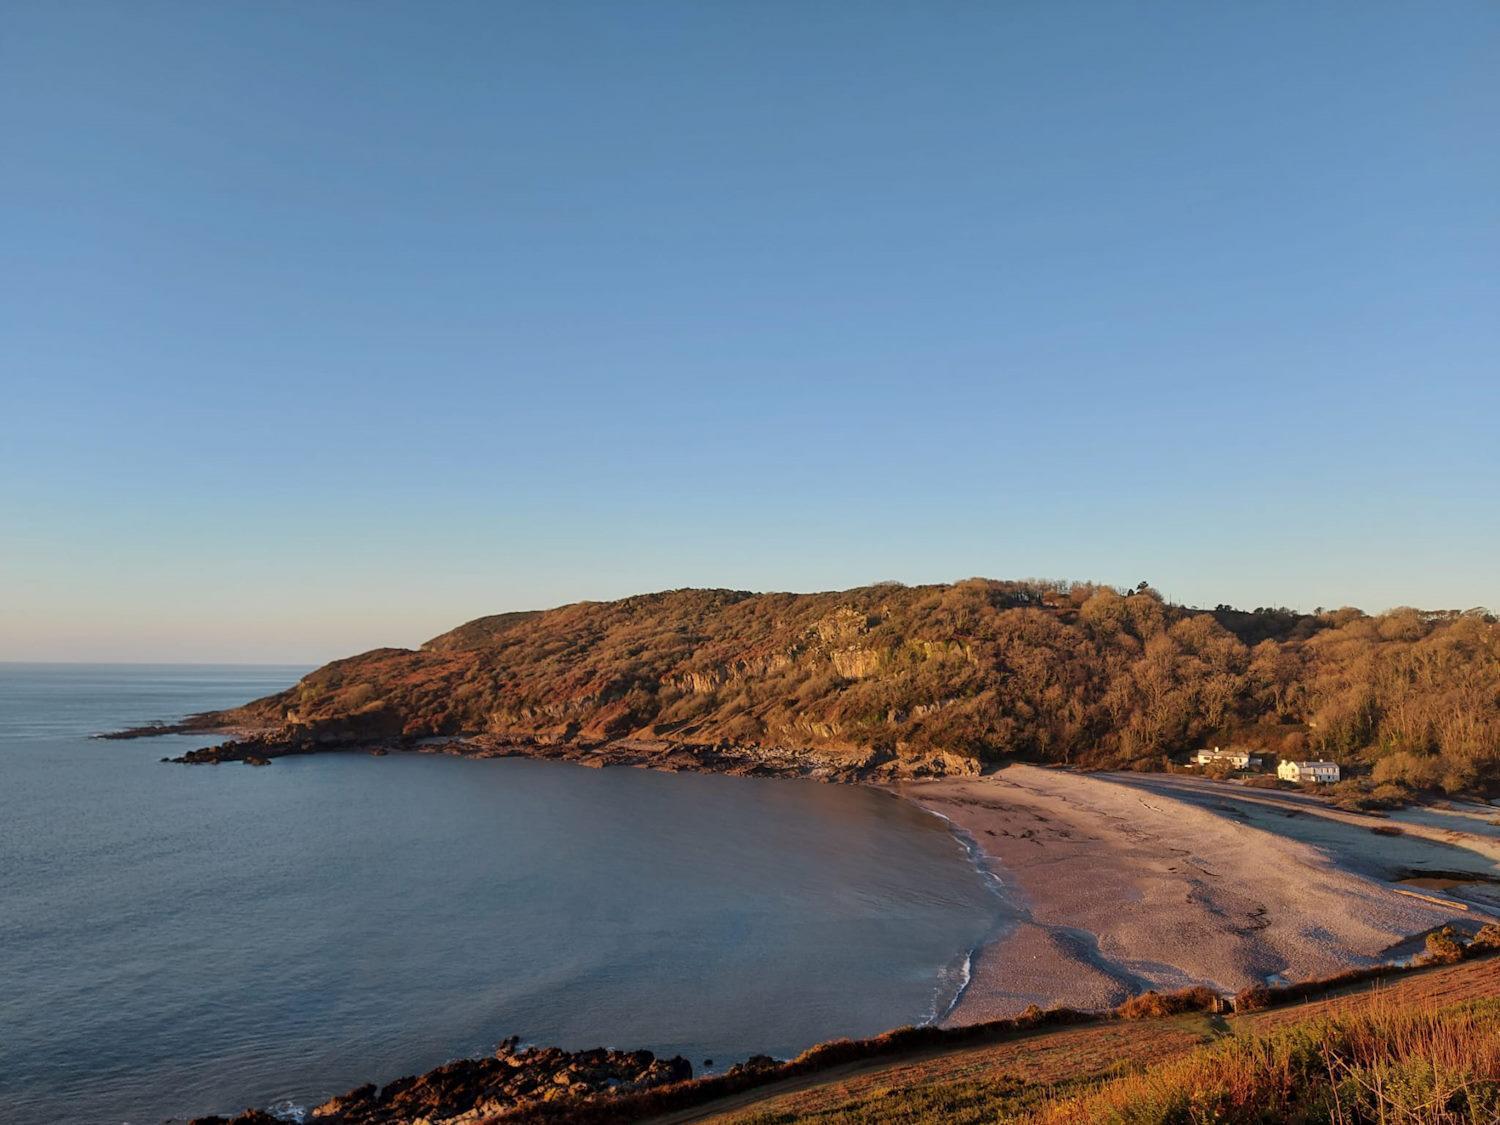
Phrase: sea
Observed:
(185, 940)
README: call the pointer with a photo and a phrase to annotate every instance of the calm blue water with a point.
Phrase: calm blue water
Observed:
(179, 940)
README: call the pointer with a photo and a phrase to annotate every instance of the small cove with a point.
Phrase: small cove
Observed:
(192, 939)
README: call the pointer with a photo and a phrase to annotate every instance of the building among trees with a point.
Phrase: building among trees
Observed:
(1323, 772)
(1234, 757)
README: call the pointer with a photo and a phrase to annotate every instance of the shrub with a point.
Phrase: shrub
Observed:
(1415, 771)
(1391, 796)
(1443, 947)
(1488, 937)
(1253, 999)
(1152, 1003)
(1266, 781)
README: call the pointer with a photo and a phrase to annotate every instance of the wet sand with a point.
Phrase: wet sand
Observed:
(1118, 883)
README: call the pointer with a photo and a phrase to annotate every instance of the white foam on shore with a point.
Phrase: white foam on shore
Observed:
(964, 974)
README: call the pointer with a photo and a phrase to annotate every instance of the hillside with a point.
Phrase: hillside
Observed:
(930, 679)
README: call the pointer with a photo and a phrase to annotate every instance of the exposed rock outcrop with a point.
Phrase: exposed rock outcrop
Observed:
(473, 1090)
(660, 754)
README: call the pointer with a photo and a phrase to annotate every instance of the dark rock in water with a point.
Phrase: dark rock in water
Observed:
(193, 724)
(366, 730)
(378, 751)
(256, 760)
(753, 1064)
(249, 1117)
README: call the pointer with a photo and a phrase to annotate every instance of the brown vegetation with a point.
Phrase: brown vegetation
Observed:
(1390, 1063)
(1152, 1004)
(945, 678)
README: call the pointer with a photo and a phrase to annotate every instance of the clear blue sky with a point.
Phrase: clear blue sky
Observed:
(328, 325)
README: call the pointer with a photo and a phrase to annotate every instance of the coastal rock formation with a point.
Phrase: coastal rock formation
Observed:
(892, 681)
(472, 1090)
(659, 754)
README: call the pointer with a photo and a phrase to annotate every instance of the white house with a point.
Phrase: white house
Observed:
(1238, 759)
(1308, 771)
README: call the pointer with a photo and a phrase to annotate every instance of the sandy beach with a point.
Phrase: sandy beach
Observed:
(1115, 883)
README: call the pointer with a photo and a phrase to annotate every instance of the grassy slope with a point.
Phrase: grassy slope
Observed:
(1026, 1075)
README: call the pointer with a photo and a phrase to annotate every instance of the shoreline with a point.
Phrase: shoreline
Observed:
(1107, 884)
(1085, 868)
(979, 862)
(1111, 888)
(1091, 870)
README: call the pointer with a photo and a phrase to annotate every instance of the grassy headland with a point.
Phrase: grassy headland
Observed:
(933, 679)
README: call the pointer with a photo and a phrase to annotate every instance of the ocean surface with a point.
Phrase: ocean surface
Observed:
(181, 940)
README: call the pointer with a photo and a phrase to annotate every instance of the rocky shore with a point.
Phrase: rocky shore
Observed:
(470, 1090)
(258, 748)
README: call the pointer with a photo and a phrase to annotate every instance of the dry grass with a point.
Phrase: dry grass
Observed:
(1389, 1063)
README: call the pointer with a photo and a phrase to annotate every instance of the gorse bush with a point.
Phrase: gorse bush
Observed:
(1443, 947)
(1487, 938)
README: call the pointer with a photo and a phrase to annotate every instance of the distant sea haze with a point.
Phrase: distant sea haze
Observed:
(183, 940)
